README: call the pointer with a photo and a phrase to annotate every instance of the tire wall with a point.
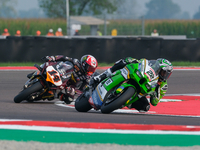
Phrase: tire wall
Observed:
(109, 50)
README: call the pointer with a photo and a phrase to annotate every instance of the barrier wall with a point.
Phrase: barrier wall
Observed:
(30, 48)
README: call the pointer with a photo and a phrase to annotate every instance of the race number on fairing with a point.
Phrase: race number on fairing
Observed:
(54, 76)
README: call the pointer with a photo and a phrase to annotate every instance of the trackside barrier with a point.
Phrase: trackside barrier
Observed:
(105, 49)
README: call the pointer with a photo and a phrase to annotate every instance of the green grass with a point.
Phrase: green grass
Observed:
(2, 64)
(182, 140)
(105, 64)
(175, 63)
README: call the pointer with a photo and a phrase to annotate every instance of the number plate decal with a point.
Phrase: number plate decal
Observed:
(54, 75)
(108, 82)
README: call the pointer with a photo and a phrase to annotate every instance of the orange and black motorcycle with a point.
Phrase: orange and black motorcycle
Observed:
(47, 82)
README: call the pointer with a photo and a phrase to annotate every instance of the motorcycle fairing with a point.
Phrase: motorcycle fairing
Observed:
(53, 76)
(125, 73)
(64, 69)
(149, 72)
(119, 89)
(102, 89)
(96, 100)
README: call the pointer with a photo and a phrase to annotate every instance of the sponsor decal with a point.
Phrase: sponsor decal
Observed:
(108, 82)
(150, 73)
(148, 76)
(53, 76)
(97, 102)
(101, 91)
(73, 78)
(124, 73)
(139, 67)
(76, 68)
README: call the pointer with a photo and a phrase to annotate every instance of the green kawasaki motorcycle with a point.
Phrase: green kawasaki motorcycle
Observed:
(123, 88)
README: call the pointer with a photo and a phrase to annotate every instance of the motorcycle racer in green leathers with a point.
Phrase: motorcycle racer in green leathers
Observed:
(164, 70)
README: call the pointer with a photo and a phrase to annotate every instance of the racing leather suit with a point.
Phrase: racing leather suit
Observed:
(142, 104)
(79, 79)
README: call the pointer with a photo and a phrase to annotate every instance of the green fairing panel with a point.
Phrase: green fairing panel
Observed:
(135, 72)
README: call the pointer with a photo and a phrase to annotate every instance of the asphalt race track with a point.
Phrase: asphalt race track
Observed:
(180, 82)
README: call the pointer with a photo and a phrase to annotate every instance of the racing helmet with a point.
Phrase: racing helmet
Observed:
(89, 64)
(166, 69)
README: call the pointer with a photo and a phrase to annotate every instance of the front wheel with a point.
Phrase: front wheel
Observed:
(82, 104)
(115, 103)
(23, 95)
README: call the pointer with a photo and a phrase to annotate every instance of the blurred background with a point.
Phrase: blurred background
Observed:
(107, 29)
(185, 9)
(118, 17)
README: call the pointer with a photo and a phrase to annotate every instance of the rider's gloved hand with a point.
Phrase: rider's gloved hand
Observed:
(93, 82)
(156, 93)
(48, 58)
(131, 60)
(70, 91)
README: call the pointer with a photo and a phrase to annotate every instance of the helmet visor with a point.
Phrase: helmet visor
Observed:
(165, 74)
(90, 70)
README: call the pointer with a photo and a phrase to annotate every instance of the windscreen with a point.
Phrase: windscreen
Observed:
(155, 65)
(64, 68)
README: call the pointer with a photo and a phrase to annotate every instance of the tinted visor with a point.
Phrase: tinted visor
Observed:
(165, 74)
(89, 69)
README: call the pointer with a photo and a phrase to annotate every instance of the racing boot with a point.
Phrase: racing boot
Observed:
(65, 98)
(68, 96)
(70, 91)
(142, 105)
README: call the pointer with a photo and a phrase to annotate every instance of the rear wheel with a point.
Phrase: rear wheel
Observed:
(82, 104)
(111, 104)
(23, 95)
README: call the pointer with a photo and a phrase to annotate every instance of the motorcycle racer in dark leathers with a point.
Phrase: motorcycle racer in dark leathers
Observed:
(81, 73)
